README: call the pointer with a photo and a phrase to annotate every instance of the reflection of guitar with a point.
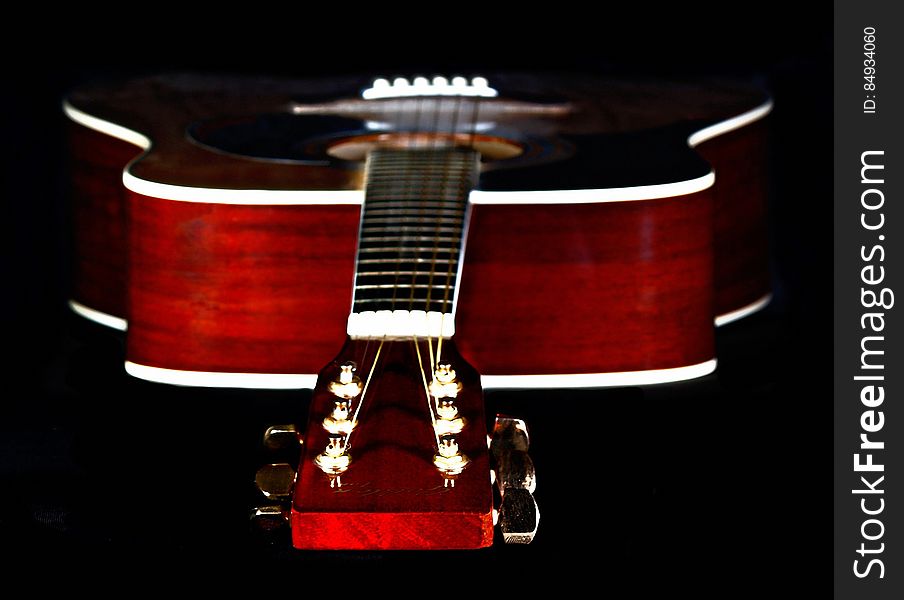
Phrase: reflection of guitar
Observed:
(599, 250)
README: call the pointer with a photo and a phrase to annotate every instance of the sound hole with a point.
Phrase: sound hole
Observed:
(314, 140)
(280, 137)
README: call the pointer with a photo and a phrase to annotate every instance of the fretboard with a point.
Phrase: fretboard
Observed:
(412, 236)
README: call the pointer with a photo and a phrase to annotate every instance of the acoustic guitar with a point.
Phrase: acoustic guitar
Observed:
(458, 234)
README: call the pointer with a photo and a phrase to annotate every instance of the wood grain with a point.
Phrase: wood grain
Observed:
(593, 288)
(99, 219)
(740, 195)
(248, 289)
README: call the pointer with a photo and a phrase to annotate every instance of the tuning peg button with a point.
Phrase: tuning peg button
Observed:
(275, 481)
(515, 470)
(509, 435)
(282, 437)
(519, 516)
(515, 480)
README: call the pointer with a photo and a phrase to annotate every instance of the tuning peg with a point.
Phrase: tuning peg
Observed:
(269, 518)
(515, 470)
(515, 480)
(509, 434)
(282, 437)
(508, 447)
(519, 516)
(275, 480)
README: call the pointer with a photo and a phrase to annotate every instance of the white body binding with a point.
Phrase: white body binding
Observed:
(432, 323)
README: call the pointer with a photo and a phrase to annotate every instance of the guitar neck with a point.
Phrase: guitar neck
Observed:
(411, 241)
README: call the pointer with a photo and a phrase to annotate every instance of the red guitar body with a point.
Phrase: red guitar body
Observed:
(234, 270)
(592, 240)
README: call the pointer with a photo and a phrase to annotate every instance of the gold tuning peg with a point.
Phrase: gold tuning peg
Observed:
(275, 481)
(347, 385)
(282, 437)
(519, 516)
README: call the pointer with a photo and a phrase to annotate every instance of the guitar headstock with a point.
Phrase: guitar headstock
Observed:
(515, 512)
(395, 452)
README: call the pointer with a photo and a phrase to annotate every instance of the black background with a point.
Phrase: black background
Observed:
(693, 485)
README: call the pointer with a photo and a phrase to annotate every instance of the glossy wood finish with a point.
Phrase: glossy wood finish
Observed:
(99, 219)
(249, 289)
(587, 288)
(596, 288)
(392, 497)
(606, 287)
(740, 160)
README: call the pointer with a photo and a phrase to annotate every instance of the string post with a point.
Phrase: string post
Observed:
(444, 384)
(449, 422)
(346, 385)
(334, 460)
(449, 460)
(338, 422)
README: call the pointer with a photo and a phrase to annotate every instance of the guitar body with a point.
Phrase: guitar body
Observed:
(232, 266)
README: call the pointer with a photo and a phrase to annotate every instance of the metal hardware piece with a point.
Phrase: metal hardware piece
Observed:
(347, 385)
(275, 480)
(515, 479)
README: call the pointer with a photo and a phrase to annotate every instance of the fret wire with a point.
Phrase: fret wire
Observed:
(421, 199)
(422, 202)
(389, 300)
(401, 243)
(407, 211)
(416, 238)
(389, 286)
(413, 216)
(410, 220)
(403, 249)
(369, 261)
(406, 273)
(391, 187)
(410, 228)
(418, 202)
(391, 172)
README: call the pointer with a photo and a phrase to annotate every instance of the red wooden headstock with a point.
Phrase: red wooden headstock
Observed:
(393, 495)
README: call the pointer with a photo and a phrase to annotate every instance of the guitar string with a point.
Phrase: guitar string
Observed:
(461, 184)
(394, 189)
(419, 176)
(420, 362)
(427, 177)
(439, 343)
(422, 214)
(407, 185)
(367, 344)
(373, 367)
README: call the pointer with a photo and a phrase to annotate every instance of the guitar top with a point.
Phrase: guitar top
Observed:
(222, 122)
